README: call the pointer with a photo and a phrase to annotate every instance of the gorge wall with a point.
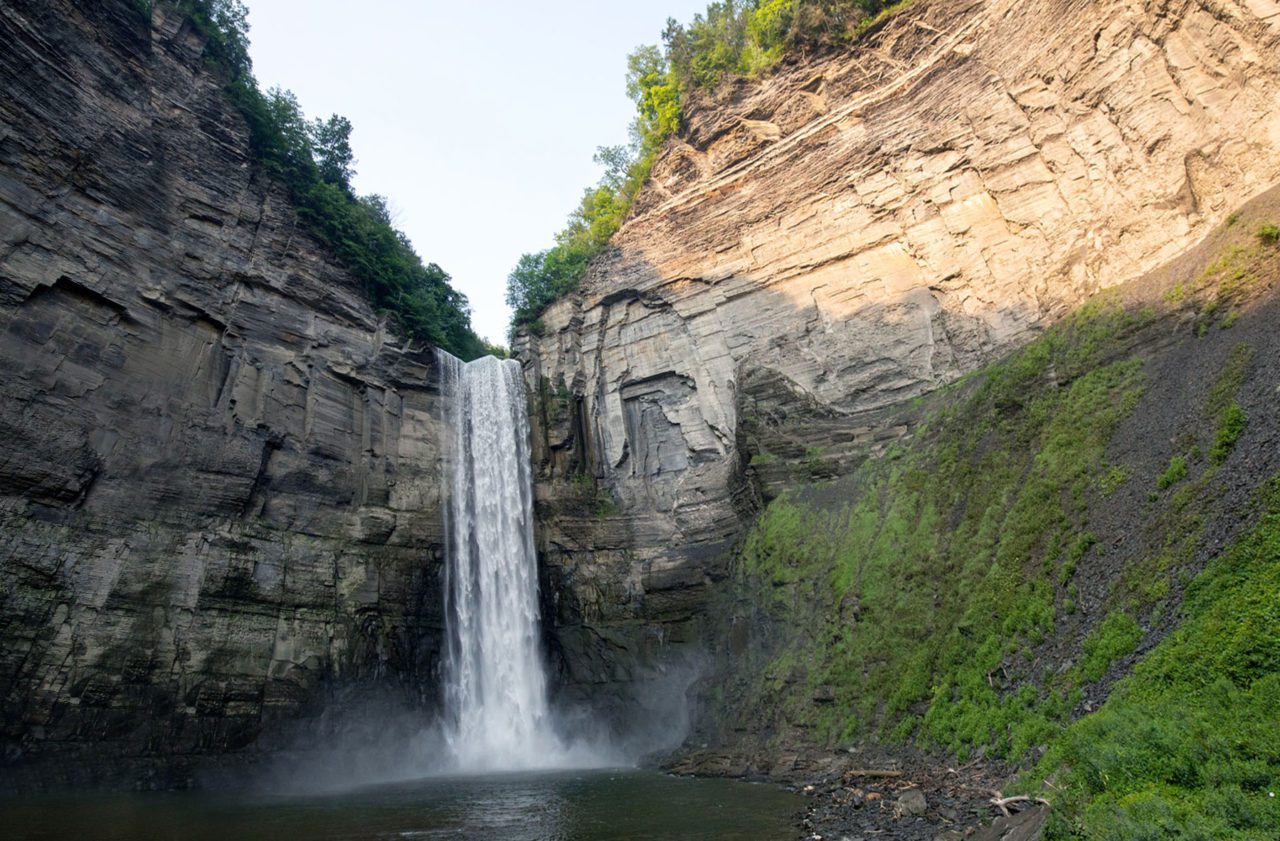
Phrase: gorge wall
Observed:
(219, 480)
(219, 490)
(822, 246)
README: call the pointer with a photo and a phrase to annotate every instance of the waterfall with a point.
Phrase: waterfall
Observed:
(496, 707)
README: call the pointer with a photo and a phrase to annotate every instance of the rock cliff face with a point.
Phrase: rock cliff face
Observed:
(822, 246)
(219, 484)
(218, 478)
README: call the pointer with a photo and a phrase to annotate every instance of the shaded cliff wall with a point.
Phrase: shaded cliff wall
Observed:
(218, 478)
(820, 247)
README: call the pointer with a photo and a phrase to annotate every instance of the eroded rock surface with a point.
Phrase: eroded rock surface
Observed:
(821, 247)
(218, 478)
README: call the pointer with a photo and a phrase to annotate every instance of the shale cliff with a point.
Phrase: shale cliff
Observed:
(219, 479)
(218, 473)
(821, 247)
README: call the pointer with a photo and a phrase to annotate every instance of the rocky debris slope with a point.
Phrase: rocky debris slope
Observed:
(218, 478)
(824, 245)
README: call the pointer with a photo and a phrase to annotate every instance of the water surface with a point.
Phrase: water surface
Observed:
(622, 805)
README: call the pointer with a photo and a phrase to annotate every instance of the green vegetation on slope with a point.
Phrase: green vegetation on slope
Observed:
(1232, 277)
(1188, 746)
(733, 37)
(956, 555)
(1175, 473)
(954, 558)
(743, 37)
(935, 595)
(313, 160)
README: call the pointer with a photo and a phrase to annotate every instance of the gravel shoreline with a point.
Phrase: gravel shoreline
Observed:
(860, 796)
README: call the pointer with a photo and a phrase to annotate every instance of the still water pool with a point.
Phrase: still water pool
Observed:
(620, 805)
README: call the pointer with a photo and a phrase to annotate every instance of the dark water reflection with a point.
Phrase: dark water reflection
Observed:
(563, 806)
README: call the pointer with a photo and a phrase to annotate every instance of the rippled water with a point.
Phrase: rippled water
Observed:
(566, 806)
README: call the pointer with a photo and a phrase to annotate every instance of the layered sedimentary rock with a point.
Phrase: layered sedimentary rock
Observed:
(823, 245)
(218, 469)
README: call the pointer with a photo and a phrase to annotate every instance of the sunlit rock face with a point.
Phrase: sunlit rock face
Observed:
(821, 246)
(219, 488)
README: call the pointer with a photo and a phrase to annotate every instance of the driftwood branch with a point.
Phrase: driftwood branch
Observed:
(871, 772)
(1002, 803)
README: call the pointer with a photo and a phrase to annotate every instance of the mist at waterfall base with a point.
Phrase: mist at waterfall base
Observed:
(495, 712)
(500, 761)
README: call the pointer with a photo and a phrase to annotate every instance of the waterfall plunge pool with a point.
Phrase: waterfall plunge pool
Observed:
(608, 805)
(496, 708)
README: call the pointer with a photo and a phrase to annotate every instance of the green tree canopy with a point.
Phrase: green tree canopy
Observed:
(331, 140)
(314, 160)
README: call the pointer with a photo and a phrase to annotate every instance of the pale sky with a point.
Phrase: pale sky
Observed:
(477, 120)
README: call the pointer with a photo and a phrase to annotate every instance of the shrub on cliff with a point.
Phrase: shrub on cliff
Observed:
(733, 37)
(742, 37)
(541, 278)
(313, 159)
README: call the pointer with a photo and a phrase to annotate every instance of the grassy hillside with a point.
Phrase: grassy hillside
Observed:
(1187, 746)
(983, 585)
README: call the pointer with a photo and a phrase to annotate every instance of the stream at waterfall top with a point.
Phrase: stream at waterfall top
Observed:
(614, 805)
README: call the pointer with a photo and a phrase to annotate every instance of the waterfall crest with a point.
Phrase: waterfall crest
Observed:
(496, 706)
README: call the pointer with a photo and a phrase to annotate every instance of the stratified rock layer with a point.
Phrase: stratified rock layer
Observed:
(218, 472)
(824, 245)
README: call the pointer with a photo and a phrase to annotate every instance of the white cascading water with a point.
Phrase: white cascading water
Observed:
(495, 680)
